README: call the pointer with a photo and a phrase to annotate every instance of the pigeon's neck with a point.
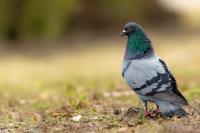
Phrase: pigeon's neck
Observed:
(138, 46)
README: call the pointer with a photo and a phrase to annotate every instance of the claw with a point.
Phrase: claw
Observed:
(147, 114)
(155, 112)
(152, 113)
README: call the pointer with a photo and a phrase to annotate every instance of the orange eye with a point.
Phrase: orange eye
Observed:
(129, 29)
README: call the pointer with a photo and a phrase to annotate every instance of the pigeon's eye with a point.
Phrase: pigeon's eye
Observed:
(129, 29)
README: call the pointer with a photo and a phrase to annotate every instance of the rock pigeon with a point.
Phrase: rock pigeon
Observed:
(149, 76)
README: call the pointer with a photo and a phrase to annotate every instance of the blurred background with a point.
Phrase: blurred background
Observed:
(55, 20)
(54, 52)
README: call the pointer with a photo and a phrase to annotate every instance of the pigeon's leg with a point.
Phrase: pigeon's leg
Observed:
(146, 112)
(157, 111)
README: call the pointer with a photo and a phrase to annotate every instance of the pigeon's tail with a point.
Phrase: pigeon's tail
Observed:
(170, 110)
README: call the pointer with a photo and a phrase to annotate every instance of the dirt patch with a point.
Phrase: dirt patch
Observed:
(107, 119)
(132, 111)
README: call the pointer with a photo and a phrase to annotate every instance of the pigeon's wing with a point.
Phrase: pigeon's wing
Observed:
(172, 94)
(170, 97)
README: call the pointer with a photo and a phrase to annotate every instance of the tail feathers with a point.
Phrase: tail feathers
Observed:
(170, 110)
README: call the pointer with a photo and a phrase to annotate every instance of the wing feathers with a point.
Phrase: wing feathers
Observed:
(170, 110)
(173, 83)
(171, 97)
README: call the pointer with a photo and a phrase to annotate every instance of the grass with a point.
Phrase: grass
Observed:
(43, 94)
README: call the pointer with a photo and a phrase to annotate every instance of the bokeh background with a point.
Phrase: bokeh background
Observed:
(61, 55)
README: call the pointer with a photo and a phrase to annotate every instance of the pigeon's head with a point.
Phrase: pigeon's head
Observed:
(130, 28)
(138, 44)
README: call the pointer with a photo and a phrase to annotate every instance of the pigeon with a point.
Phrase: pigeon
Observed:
(148, 75)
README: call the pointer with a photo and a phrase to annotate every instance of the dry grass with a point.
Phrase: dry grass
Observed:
(44, 94)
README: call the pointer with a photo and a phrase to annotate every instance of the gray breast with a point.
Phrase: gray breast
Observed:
(144, 75)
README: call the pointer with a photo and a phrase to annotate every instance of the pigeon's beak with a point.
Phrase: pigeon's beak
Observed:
(124, 32)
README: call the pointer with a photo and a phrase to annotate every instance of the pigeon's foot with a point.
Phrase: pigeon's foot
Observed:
(152, 113)
(155, 112)
(147, 114)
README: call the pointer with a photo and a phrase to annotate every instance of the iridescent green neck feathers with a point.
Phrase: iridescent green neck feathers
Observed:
(138, 45)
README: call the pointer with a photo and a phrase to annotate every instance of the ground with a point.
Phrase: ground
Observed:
(80, 89)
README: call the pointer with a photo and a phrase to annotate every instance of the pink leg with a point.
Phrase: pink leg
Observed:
(157, 111)
(146, 112)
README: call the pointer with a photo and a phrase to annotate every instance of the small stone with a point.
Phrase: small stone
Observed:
(76, 118)
(95, 117)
